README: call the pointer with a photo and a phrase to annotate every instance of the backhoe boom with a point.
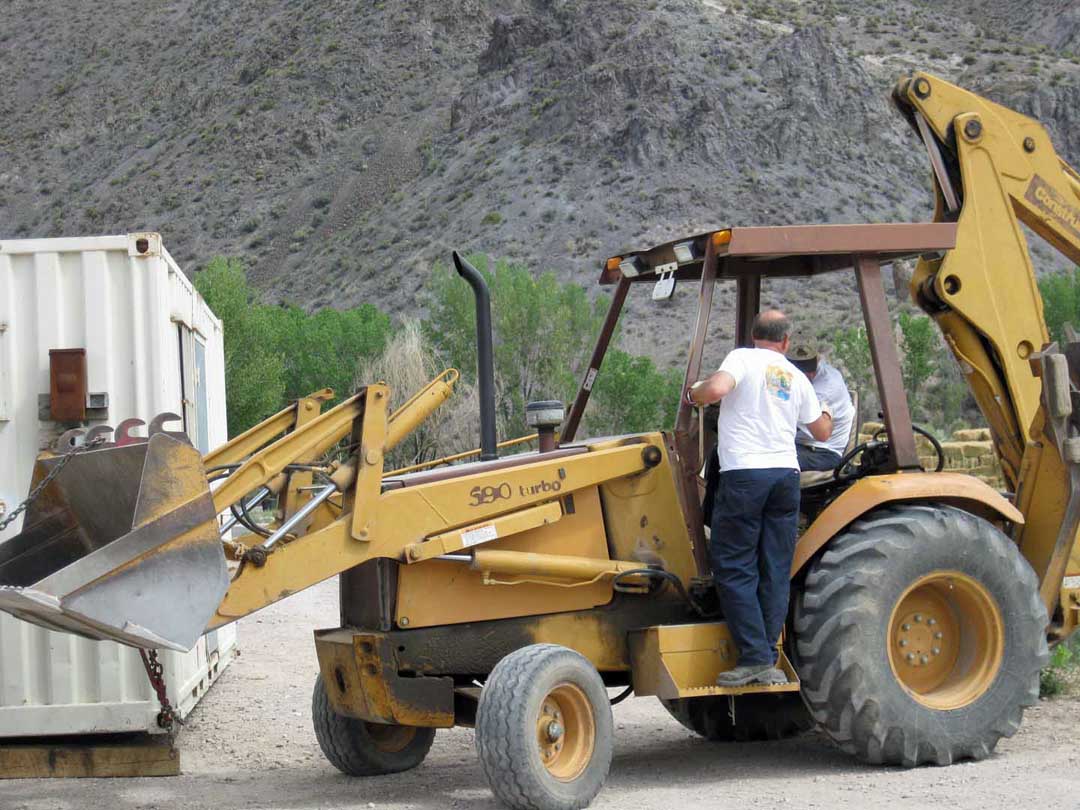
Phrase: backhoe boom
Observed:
(995, 169)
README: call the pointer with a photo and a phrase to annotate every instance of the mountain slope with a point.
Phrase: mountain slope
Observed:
(342, 146)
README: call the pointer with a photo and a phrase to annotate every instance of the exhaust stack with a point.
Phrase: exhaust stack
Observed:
(485, 371)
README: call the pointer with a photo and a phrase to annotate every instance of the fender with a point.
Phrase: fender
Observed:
(956, 489)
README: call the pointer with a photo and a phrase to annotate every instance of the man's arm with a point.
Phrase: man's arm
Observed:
(711, 390)
(822, 427)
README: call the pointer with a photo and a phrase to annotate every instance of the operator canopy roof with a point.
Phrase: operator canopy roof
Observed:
(786, 250)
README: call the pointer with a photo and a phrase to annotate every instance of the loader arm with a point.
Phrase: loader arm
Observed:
(993, 170)
(123, 542)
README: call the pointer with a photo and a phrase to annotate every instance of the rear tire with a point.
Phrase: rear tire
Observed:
(358, 748)
(920, 635)
(757, 717)
(544, 731)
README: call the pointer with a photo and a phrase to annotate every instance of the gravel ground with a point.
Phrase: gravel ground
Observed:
(249, 744)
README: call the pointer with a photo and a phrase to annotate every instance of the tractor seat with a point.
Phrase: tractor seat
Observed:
(812, 478)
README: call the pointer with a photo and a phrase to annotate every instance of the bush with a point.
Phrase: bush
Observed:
(1063, 672)
(408, 362)
(1061, 301)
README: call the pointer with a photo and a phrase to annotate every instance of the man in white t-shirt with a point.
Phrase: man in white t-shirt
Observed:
(763, 397)
(829, 386)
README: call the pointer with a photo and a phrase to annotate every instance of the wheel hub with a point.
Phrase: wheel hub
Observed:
(565, 732)
(946, 640)
(920, 636)
(388, 738)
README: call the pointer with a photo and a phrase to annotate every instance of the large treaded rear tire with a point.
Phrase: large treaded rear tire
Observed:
(757, 717)
(510, 712)
(359, 748)
(845, 623)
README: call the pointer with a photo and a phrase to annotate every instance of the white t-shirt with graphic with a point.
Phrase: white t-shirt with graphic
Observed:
(756, 426)
(830, 388)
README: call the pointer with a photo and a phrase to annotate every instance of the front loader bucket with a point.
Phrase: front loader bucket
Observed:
(123, 544)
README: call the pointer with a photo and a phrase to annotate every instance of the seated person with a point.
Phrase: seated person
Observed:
(830, 387)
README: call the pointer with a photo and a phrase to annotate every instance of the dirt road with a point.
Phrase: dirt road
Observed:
(249, 744)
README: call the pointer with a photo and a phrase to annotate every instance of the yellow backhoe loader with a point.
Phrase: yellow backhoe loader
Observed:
(510, 593)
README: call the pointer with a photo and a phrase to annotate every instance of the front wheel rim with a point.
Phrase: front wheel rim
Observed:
(390, 739)
(566, 732)
(946, 640)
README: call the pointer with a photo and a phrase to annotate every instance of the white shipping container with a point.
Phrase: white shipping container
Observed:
(152, 345)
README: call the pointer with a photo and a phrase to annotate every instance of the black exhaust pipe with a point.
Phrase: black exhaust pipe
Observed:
(485, 363)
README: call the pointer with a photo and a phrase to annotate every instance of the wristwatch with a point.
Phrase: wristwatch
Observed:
(689, 394)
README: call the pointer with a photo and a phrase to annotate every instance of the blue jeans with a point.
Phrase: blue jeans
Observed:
(816, 458)
(754, 524)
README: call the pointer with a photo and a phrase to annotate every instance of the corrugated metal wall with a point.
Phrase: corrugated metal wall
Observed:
(130, 311)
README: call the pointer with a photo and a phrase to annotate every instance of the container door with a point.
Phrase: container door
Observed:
(202, 399)
(194, 396)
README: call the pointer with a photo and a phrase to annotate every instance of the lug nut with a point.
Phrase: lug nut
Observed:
(918, 617)
(924, 660)
(903, 642)
(938, 634)
(931, 621)
(905, 627)
(910, 657)
(936, 650)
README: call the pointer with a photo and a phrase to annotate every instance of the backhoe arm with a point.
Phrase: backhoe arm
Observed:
(993, 170)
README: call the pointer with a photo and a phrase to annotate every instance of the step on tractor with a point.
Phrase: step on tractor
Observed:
(514, 593)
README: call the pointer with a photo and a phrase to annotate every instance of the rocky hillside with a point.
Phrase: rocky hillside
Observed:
(341, 147)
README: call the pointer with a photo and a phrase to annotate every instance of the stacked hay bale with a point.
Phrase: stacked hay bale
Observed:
(968, 451)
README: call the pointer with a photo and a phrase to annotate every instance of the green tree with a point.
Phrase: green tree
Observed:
(542, 333)
(633, 396)
(321, 350)
(921, 356)
(1061, 301)
(851, 351)
(949, 402)
(254, 369)
(274, 355)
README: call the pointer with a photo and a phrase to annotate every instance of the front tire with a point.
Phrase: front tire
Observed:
(920, 636)
(544, 731)
(358, 748)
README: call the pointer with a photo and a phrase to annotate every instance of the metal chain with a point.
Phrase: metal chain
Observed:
(167, 717)
(55, 471)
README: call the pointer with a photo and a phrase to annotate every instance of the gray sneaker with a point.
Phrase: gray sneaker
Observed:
(742, 675)
(773, 676)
